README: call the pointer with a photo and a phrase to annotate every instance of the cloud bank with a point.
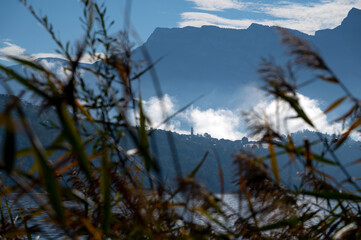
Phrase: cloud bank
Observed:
(229, 124)
(198, 19)
(218, 5)
(156, 115)
(280, 116)
(11, 49)
(307, 17)
(220, 123)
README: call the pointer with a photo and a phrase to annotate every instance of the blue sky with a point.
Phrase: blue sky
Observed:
(20, 33)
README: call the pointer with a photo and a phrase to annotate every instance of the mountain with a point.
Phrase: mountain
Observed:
(209, 60)
(191, 149)
(222, 64)
(341, 49)
(224, 61)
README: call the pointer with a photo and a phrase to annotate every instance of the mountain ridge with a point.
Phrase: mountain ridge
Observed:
(353, 15)
(223, 62)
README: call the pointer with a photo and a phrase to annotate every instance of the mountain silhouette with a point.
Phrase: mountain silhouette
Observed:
(222, 63)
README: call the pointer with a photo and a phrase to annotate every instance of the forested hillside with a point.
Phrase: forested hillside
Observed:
(191, 149)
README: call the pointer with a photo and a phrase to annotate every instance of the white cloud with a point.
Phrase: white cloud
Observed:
(220, 123)
(11, 50)
(85, 59)
(47, 64)
(217, 5)
(153, 110)
(247, 96)
(58, 68)
(306, 17)
(90, 59)
(279, 115)
(309, 17)
(197, 19)
(46, 55)
(229, 124)
(154, 113)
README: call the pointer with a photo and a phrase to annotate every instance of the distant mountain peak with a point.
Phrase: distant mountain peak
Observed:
(210, 27)
(354, 11)
(353, 18)
(50, 59)
(350, 25)
(257, 26)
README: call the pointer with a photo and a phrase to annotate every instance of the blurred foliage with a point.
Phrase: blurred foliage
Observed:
(83, 180)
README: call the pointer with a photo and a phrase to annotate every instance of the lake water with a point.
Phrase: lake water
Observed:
(48, 231)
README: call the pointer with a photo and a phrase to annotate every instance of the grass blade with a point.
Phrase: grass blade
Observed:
(74, 138)
(25, 82)
(296, 106)
(344, 136)
(333, 195)
(51, 185)
(193, 173)
(105, 186)
(144, 141)
(290, 222)
(10, 213)
(29, 63)
(335, 104)
(274, 165)
(9, 147)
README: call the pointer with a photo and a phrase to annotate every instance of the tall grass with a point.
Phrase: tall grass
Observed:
(91, 186)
